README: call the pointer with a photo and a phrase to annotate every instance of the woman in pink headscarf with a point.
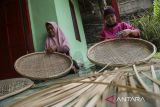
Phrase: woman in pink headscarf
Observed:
(112, 29)
(57, 42)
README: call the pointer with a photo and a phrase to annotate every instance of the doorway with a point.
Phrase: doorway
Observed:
(15, 35)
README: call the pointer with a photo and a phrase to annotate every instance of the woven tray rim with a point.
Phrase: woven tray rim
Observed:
(120, 65)
(18, 91)
(41, 78)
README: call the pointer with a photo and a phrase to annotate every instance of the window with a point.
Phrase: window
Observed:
(75, 25)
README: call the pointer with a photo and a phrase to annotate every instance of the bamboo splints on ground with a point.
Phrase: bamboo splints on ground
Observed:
(93, 91)
(140, 79)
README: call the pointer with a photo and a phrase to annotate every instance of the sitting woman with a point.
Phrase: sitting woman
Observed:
(57, 42)
(112, 29)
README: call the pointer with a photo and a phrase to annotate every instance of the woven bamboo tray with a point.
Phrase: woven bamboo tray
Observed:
(13, 86)
(120, 52)
(41, 66)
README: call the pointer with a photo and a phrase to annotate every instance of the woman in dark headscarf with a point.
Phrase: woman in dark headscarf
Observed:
(112, 29)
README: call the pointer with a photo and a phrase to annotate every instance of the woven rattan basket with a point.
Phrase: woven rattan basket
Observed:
(120, 52)
(43, 66)
(13, 86)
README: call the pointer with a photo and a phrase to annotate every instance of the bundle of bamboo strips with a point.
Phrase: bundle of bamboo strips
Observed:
(93, 91)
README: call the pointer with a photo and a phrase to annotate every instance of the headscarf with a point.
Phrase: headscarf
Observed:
(59, 40)
(109, 10)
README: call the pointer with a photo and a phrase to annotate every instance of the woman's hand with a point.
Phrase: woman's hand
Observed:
(51, 50)
(125, 33)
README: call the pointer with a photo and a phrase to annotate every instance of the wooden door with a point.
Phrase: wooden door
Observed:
(13, 36)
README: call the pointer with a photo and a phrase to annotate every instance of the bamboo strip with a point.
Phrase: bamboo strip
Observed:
(99, 103)
(68, 99)
(104, 96)
(127, 87)
(75, 95)
(46, 92)
(96, 98)
(103, 68)
(42, 101)
(155, 86)
(133, 84)
(112, 91)
(118, 77)
(73, 103)
(82, 82)
(103, 102)
(140, 80)
(88, 91)
(84, 99)
(151, 78)
(122, 93)
(59, 95)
